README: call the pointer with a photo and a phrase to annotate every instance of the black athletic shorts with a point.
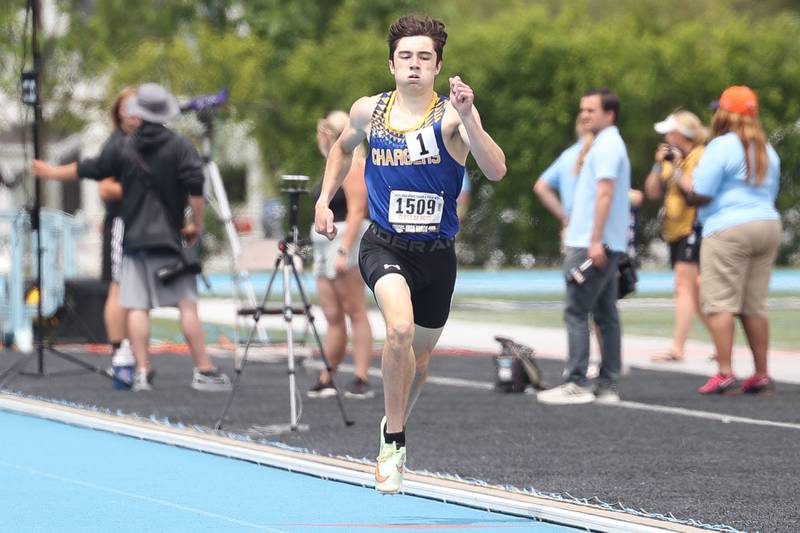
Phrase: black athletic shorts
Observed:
(429, 268)
(113, 231)
(686, 249)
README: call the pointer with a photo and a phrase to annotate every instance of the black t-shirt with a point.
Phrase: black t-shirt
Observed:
(156, 156)
(338, 203)
(89, 168)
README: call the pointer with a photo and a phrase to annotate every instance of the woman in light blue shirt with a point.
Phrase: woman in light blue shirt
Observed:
(736, 183)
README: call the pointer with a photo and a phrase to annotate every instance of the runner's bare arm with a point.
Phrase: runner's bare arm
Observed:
(489, 156)
(339, 162)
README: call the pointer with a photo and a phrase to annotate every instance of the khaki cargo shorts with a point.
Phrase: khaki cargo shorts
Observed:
(736, 266)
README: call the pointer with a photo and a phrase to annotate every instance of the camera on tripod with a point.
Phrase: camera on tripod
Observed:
(294, 185)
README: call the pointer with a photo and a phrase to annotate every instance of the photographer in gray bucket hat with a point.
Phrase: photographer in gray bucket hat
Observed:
(161, 174)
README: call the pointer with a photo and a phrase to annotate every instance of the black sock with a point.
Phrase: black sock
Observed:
(115, 346)
(397, 438)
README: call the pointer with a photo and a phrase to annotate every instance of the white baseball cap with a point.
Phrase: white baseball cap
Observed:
(684, 122)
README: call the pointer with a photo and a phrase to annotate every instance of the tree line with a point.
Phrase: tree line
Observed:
(288, 63)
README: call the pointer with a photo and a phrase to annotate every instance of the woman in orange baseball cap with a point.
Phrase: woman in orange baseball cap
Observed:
(736, 183)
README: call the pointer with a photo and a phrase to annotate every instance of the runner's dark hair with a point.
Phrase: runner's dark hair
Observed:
(411, 26)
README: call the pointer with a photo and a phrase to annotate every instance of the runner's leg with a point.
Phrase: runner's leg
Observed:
(394, 299)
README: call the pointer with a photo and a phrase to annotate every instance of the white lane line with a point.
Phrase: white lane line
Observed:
(680, 411)
(726, 419)
(157, 501)
(438, 380)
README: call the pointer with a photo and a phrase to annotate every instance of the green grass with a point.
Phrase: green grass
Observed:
(655, 322)
(166, 329)
(784, 330)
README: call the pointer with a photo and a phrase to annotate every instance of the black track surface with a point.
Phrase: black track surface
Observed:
(742, 475)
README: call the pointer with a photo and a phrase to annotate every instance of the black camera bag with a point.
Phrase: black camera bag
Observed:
(627, 276)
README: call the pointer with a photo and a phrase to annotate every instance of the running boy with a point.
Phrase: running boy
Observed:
(418, 146)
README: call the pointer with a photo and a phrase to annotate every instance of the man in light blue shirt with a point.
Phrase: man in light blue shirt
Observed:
(596, 238)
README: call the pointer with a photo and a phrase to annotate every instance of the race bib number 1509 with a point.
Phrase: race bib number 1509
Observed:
(411, 207)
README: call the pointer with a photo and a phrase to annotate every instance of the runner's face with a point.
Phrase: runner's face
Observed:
(414, 63)
(592, 116)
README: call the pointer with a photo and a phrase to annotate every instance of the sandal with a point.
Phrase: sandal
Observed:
(668, 356)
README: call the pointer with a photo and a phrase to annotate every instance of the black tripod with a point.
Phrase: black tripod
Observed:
(31, 91)
(285, 264)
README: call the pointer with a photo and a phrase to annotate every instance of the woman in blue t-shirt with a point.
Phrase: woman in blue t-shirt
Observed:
(736, 183)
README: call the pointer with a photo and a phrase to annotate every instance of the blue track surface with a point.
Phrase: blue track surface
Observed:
(56, 477)
(511, 282)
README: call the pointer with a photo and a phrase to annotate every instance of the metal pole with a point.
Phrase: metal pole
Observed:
(288, 314)
(37, 154)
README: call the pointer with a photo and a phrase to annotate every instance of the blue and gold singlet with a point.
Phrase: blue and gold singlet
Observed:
(412, 181)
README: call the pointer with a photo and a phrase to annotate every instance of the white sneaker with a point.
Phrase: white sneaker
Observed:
(141, 381)
(211, 381)
(606, 395)
(123, 356)
(566, 394)
(391, 465)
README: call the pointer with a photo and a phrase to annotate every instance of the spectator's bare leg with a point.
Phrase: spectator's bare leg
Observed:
(720, 325)
(350, 287)
(700, 313)
(685, 304)
(139, 336)
(335, 342)
(756, 328)
(115, 315)
(193, 331)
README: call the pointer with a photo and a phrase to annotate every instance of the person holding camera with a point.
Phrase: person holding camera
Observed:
(161, 174)
(418, 145)
(736, 183)
(596, 239)
(340, 287)
(683, 146)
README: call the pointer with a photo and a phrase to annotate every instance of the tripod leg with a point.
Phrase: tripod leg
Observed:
(240, 367)
(310, 317)
(288, 314)
(88, 366)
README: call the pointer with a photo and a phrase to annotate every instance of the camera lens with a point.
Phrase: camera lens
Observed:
(669, 156)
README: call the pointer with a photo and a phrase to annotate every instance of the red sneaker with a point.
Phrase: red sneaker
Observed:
(719, 384)
(756, 384)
